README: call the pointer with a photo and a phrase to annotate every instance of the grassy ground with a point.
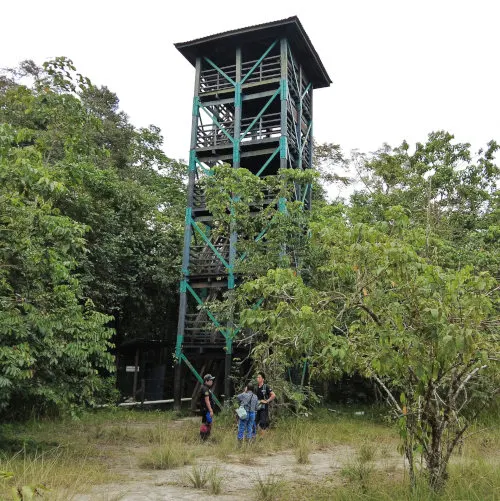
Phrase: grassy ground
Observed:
(324, 456)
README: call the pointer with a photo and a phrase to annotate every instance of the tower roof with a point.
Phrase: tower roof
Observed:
(291, 28)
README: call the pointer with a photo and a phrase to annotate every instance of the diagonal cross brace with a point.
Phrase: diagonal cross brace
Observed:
(216, 122)
(305, 138)
(209, 314)
(261, 112)
(208, 170)
(306, 91)
(209, 243)
(305, 192)
(215, 67)
(293, 68)
(254, 307)
(197, 376)
(259, 61)
(268, 161)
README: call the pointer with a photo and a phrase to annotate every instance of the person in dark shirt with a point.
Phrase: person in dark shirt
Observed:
(264, 395)
(207, 406)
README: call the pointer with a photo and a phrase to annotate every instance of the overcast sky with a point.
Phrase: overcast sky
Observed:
(400, 69)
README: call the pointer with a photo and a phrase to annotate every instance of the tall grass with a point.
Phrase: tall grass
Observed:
(59, 474)
(168, 454)
(215, 481)
(268, 488)
(68, 457)
(359, 472)
(477, 482)
(198, 476)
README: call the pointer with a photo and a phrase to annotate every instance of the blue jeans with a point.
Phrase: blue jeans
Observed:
(245, 426)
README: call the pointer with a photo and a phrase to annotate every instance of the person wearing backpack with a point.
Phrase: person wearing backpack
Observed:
(264, 395)
(247, 400)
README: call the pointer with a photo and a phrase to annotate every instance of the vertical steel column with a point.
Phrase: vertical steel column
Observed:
(233, 236)
(311, 152)
(187, 242)
(299, 132)
(237, 110)
(298, 186)
(284, 103)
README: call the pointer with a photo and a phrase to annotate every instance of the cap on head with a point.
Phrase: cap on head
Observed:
(208, 377)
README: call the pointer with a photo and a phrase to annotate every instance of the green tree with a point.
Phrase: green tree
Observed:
(53, 342)
(428, 336)
(398, 288)
(444, 188)
(118, 188)
(121, 186)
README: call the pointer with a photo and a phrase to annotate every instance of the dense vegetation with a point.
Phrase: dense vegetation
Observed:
(398, 284)
(91, 214)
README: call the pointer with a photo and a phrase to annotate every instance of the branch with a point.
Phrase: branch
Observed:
(468, 378)
(458, 436)
(389, 394)
(493, 290)
(373, 315)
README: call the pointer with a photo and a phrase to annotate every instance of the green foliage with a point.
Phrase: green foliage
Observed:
(270, 227)
(84, 462)
(450, 193)
(91, 215)
(384, 291)
(53, 341)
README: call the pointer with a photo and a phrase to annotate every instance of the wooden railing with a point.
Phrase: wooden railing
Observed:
(204, 261)
(199, 329)
(212, 80)
(267, 126)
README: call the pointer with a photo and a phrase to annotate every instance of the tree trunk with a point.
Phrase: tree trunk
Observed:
(411, 466)
(436, 463)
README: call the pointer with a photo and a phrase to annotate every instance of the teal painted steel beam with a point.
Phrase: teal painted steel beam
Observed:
(187, 241)
(259, 61)
(237, 112)
(292, 64)
(229, 345)
(305, 193)
(209, 313)
(283, 147)
(207, 170)
(209, 243)
(192, 160)
(306, 91)
(284, 102)
(198, 377)
(306, 138)
(304, 369)
(228, 78)
(282, 205)
(268, 161)
(261, 112)
(216, 122)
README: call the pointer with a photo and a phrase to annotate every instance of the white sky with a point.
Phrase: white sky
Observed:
(400, 69)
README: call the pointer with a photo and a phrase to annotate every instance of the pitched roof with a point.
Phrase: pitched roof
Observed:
(291, 28)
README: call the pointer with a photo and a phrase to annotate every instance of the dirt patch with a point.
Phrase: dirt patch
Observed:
(240, 473)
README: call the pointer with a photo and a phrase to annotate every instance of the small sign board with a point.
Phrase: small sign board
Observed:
(131, 368)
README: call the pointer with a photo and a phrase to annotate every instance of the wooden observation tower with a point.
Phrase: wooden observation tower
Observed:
(253, 109)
